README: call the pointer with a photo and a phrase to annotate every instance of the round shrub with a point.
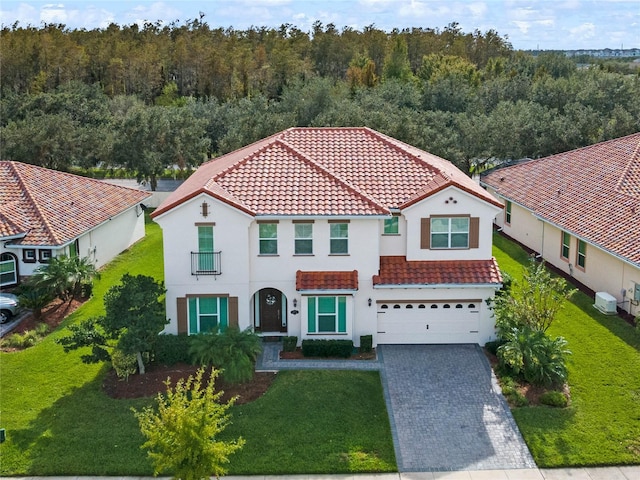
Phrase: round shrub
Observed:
(554, 399)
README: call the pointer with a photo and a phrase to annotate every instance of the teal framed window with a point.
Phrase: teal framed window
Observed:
(205, 248)
(391, 226)
(566, 246)
(339, 238)
(327, 314)
(303, 238)
(507, 213)
(581, 259)
(74, 249)
(268, 238)
(206, 314)
(8, 269)
(449, 232)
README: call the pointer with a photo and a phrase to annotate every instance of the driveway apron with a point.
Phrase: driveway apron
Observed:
(447, 412)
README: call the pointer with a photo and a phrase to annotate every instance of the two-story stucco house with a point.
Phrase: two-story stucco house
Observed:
(580, 210)
(331, 233)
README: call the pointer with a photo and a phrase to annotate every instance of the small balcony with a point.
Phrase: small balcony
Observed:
(206, 263)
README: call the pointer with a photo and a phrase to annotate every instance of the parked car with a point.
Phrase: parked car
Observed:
(9, 306)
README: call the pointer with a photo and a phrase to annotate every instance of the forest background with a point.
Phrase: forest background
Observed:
(142, 101)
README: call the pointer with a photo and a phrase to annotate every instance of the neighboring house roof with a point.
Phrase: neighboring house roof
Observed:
(42, 207)
(396, 270)
(592, 193)
(324, 171)
(327, 280)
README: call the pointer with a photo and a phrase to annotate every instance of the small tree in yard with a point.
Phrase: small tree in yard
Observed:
(181, 435)
(65, 277)
(134, 318)
(534, 301)
(523, 315)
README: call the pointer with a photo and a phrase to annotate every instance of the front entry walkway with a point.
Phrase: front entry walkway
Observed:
(447, 412)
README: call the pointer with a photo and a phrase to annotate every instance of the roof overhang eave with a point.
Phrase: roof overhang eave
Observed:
(433, 286)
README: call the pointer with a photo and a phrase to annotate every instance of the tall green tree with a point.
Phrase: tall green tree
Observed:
(396, 63)
(134, 317)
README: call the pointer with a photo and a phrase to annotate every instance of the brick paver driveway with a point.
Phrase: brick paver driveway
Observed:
(446, 411)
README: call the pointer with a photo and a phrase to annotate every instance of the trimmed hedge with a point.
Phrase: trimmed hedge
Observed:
(327, 348)
(172, 349)
(366, 343)
(289, 344)
(554, 398)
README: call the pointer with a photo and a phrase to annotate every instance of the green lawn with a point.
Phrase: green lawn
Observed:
(602, 425)
(59, 422)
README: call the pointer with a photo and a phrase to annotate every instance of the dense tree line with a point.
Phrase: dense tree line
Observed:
(146, 99)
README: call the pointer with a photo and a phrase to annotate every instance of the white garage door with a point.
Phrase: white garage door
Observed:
(429, 322)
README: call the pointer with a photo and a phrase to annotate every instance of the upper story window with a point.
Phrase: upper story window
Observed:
(566, 246)
(456, 232)
(391, 226)
(507, 213)
(581, 259)
(303, 238)
(450, 232)
(268, 238)
(206, 259)
(339, 238)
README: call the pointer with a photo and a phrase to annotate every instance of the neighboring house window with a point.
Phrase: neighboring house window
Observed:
(566, 245)
(268, 234)
(205, 248)
(327, 314)
(44, 256)
(339, 238)
(208, 313)
(582, 254)
(29, 255)
(450, 232)
(391, 226)
(8, 270)
(507, 213)
(74, 249)
(303, 238)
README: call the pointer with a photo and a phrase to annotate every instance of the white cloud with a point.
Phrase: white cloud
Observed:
(478, 9)
(522, 26)
(584, 31)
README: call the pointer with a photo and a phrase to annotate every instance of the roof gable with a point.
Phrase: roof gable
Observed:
(592, 192)
(324, 171)
(50, 208)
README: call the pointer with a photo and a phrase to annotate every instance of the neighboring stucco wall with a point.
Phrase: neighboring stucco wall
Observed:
(603, 272)
(101, 244)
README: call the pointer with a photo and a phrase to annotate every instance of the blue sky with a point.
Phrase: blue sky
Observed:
(546, 24)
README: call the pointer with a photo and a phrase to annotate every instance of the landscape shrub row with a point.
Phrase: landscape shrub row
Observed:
(327, 348)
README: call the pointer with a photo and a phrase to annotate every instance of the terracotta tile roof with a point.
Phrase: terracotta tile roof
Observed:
(324, 171)
(327, 280)
(592, 193)
(396, 270)
(51, 208)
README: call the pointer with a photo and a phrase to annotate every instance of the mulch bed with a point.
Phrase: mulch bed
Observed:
(153, 382)
(53, 315)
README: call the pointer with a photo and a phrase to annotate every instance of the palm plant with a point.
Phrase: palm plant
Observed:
(233, 351)
(66, 277)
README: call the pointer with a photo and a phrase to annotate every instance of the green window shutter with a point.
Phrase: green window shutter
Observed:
(224, 313)
(193, 315)
(311, 314)
(342, 314)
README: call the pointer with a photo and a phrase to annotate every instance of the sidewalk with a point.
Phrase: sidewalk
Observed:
(599, 473)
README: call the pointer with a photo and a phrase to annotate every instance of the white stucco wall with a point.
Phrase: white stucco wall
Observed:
(450, 201)
(180, 236)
